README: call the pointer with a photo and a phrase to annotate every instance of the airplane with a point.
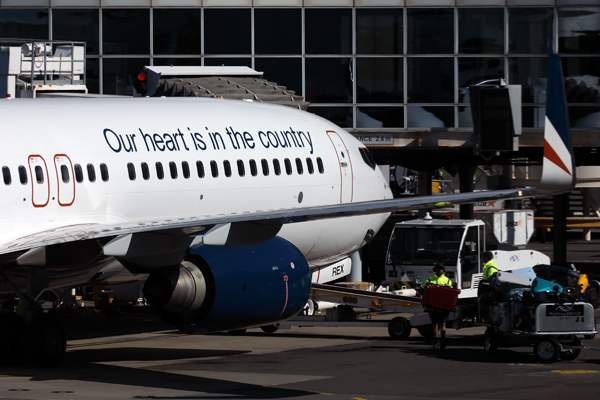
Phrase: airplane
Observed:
(227, 205)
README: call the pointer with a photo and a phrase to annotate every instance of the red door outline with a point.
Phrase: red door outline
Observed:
(59, 182)
(337, 141)
(32, 159)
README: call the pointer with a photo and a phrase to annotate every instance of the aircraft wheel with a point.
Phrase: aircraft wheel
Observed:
(269, 328)
(426, 331)
(46, 341)
(490, 341)
(546, 350)
(310, 308)
(237, 332)
(570, 355)
(12, 349)
(399, 328)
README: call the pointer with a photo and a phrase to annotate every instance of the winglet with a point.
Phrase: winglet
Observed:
(558, 173)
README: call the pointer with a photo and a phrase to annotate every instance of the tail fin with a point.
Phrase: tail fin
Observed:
(558, 174)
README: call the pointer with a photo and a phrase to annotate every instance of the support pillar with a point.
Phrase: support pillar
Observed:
(424, 189)
(559, 234)
(587, 232)
(465, 175)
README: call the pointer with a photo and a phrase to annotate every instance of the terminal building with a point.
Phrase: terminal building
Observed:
(395, 73)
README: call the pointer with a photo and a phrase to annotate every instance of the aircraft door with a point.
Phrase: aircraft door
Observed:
(65, 180)
(345, 165)
(40, 184)
(470, 256)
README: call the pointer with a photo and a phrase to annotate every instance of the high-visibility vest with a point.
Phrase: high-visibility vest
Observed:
(489, 269)
(440, 280)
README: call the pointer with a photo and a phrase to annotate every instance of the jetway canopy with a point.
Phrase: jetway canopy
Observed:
(240, 83)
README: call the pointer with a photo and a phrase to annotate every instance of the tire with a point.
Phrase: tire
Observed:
(46, 341)
(310, 308)
(426, 331)
(546, 350)
(570, 355)
(12, 348)
(269, 328)
(399, 328)
(490, 341)
(237, 332)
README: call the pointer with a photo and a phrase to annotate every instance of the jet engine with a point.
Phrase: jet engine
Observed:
(225, 288)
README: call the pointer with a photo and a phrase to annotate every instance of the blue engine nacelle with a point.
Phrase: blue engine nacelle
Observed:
(226, 288)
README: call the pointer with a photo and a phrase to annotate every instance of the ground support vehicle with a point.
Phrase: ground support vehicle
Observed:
(552, 330)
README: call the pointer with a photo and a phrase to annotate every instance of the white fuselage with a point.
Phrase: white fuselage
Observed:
(288, 159)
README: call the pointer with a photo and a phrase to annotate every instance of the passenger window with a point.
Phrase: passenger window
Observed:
(288, 166)
(253, 170)
(160, 173)
(200, 168)
(309, 165)
(173, 170)
(185, 168)
(78, 173)
(241, 168)
(23, 175)
(265, 167)
(6, 175)
(64, 173)
(131, 171)
(227, 167)
(91, 173)
(145, 171)
(320, 165)
(39, 174)
(276, 167)
(299, 166)
(104, 172)
(214, 169)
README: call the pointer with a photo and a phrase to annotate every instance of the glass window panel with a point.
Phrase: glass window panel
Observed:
(227, 168)
(227, 31)
(465, 119)
(299, 167)
(288, 166)
(160, 172)
(104, 172)
(328, 80)
(126, 31)
(579, 30)
(379, 30)
(64, 173)
(341, 116)
(118, 73)
(92, 75)
(265, 167)
(214, 169)
(277, 31)
(379, 117)
(430, 31)
(530, 30)
(131, 171)
(530, 73)
(430, 80)
(474, 70)
(285, 71)
(320, 165)
(39, 174)
(228, 62)
(24, 24)
(6, 175)
(253, 169)
(178, 61)
(241, 168)
(78, 173)
(533, 117)
(310, 166)
(200, 169)
(480, 30)
(145, 171)
(22, 175)
(328, 31)
(185, 168)
(582, 85)
(91, 173)
(430, 117)
(173, 170)
(379, 80)
(276, 167)
(80, 25)
(176, 31)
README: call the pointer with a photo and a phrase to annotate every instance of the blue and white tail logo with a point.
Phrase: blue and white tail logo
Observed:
(558, 173)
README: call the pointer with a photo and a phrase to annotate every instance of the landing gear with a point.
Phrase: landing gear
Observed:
(46, 341)
(12, 349)
(269, 328)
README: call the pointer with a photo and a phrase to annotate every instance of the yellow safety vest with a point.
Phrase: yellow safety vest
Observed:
(440, 280)
(489, 269)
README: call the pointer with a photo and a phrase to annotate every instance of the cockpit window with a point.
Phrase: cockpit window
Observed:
(367, 157)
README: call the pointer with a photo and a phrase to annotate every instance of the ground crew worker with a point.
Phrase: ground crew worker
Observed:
(489, 268)
(437, 315)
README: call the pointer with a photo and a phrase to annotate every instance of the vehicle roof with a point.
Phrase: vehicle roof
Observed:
(440, 222)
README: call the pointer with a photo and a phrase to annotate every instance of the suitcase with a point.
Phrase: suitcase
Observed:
(442, 297)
